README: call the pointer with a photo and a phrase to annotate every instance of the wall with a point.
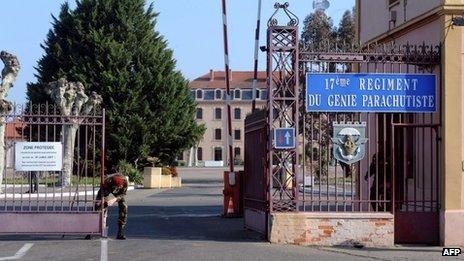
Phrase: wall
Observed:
(434, 27)
(375, 15)
(452, 214)
(462, 124)
(332, 229)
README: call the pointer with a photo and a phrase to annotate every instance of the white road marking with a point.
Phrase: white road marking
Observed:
(21, 252)
(104, 250)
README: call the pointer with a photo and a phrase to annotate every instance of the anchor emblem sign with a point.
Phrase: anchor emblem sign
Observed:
(349, 142)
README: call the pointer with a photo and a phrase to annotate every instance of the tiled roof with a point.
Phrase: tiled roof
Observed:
(13, 129)
(239, 79)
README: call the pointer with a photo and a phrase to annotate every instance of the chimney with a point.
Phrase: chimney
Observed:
(211, 75)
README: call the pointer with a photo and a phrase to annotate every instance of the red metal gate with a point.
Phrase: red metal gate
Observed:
(417, 185)
(256, 180)
(35, 202)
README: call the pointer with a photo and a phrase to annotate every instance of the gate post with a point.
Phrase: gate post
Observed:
(452, 156)
(283, 108)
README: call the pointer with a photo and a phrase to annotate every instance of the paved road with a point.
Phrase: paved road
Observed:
(184, 224)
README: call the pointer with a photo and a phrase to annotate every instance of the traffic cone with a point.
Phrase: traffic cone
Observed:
(230, 207)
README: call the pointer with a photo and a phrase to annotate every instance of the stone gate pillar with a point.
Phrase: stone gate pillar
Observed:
(452, 197)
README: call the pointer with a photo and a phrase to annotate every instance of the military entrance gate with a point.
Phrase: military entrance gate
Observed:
(400, 172)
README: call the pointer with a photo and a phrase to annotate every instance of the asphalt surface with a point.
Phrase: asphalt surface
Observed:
(185, 224)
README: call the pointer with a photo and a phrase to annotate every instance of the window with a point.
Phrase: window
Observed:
(217, 154)
(237, 152)
(237, 114)
(237, 94)
(199, 113)
(237, 134)
(217, 113)
(217, 134)
(264, 94)
(247, 95)
(257, 94)
(199, 153)
(199, 94)
(192, 94)
(209, 95)
(218, 94)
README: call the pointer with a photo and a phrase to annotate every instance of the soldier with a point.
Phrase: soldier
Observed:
(381, 181)
(115, 184)
(33, 183)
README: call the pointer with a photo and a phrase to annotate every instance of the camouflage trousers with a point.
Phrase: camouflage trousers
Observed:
(122, 205)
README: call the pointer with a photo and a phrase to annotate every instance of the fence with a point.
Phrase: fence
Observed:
(37, 201)
(381, 178)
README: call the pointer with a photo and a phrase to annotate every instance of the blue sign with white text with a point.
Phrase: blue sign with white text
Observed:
(371, 92)
(284, 138)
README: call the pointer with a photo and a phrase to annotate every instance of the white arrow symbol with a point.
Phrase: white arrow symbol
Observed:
(287, 137)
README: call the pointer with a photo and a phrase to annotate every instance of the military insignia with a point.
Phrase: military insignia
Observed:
(349, 142)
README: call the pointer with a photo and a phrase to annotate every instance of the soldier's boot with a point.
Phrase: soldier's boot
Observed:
(121, 235)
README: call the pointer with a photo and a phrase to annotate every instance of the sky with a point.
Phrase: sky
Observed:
(193, 29)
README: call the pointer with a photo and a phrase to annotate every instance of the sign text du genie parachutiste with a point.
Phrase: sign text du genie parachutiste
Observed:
(331, 92)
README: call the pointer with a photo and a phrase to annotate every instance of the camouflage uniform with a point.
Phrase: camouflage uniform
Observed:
(115, 184)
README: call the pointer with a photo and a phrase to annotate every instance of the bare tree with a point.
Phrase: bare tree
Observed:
(72, 102)
(8, 77)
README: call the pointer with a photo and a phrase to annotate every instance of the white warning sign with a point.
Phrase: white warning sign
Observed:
(38, 156)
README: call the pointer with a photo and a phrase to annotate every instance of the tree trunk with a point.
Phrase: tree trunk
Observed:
(2, 151)
(69, 136)
(190, 155)
(8, 76)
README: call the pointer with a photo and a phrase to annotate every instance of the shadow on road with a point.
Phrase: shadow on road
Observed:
(182, 223)
(202, 181)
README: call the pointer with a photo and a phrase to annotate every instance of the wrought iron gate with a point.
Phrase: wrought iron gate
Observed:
(394, 177)
(416, 171)
(35, 202)
(256, 178)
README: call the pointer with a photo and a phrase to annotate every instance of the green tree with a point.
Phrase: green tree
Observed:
(112, 47)
(318, 30)
(320, 34)
(346, 32)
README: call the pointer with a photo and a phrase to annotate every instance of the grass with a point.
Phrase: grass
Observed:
(51, 181)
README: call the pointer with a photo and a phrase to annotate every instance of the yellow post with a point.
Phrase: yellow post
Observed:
(452, 214)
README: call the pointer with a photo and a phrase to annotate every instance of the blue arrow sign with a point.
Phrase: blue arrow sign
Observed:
(284, 138)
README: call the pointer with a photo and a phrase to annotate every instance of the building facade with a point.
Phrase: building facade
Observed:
(431, 22)
(209, 92)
